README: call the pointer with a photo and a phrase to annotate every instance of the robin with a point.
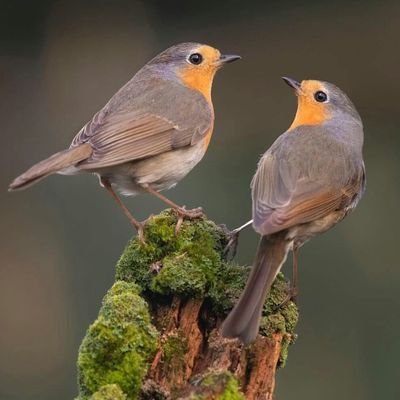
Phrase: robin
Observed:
(150, 134)
(306, 182)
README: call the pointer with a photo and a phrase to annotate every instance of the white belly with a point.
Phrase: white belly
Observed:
(159, 172)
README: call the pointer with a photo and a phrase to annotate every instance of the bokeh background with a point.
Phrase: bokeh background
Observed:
(60, 61)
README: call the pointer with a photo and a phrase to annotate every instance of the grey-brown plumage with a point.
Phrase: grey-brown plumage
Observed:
(309, 180)
(146, 117)
(151, 133)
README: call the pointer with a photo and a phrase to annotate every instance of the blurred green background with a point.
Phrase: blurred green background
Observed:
(60, 62)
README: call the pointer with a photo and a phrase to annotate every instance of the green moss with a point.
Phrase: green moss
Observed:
(218, 385)
(291, 314)
(287, 340)
(278, 293)
(114, 355)
(174, 350)
(272, 323)
(191, 264)
(137, 259)
(232, 391)
(278, 317)
(109, 392)
(187, 262)
(227, 287)
(119, 344)
(180, 275)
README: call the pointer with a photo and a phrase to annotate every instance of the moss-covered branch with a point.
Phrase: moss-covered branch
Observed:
(157, 337)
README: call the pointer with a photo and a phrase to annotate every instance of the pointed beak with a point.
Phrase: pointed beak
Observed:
(292, 83)
(228, 58)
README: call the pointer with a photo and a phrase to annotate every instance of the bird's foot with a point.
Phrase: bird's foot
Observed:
(233, 240)
(230, 249)
(141, 236)
(140, 232)
(291, 295)
(140, 226)
(183, 214)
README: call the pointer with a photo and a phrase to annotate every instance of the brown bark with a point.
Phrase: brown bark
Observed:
(205, 350)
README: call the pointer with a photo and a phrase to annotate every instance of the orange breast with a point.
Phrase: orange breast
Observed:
(198, 80)
(309, 113)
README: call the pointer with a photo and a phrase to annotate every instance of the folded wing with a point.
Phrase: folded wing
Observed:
(285, 195)
(128, 137)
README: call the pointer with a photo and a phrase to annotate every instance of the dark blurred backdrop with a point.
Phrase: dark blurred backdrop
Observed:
(60, 61)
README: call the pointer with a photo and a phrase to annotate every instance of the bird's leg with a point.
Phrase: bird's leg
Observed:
(293, 290)
(233, 239)
(138, 226)
(181, 212)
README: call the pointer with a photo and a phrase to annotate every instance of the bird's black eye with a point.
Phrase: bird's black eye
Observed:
(196, 58)
(320, 96)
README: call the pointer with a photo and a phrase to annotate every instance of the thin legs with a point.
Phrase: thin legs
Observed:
(137, 225)
(180, 211)
(231, 247)
(293, 290)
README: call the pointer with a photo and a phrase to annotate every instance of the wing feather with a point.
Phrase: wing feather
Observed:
(288, 189)
(122, 131)
(129, 138)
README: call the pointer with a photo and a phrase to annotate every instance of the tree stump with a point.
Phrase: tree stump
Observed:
(157, 334)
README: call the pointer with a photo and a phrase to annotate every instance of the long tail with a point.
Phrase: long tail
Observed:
(51, 165)
(243, 322)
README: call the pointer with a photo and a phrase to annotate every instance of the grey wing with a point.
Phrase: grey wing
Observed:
(152, 123)
(288, 190)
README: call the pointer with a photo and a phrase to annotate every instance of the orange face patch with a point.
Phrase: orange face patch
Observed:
(309, 111)
(200, 77)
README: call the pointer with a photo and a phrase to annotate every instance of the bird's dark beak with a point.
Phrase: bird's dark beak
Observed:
(228, 58)
(292, 83)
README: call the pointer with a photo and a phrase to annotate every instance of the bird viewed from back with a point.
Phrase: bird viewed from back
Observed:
(150, 134)
(311, 177)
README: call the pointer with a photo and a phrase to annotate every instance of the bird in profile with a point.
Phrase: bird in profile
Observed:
(150, 134)
(311, 177)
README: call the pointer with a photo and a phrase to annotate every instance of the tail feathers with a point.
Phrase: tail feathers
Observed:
(243, 322)
(51, 165)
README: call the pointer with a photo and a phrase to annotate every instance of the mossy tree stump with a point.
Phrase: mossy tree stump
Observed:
(157, 333)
